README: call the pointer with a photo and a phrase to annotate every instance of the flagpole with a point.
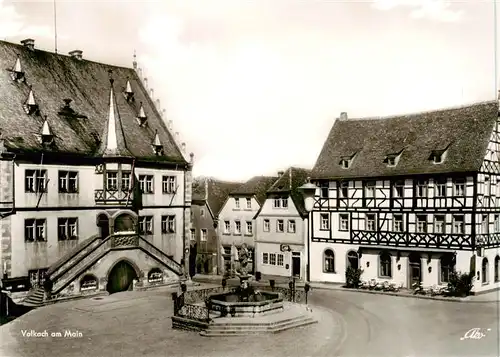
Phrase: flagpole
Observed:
(55, 26)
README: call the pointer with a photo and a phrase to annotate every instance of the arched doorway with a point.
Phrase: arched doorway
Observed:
(124, 223)
(415, 268)
(103, 224)
(352, 260)
(121, 277)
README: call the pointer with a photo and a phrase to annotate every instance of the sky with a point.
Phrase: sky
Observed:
(254, 86)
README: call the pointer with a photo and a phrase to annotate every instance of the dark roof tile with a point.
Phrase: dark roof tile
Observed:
(257, 186)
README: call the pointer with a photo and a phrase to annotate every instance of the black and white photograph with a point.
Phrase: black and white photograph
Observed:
(250, 178)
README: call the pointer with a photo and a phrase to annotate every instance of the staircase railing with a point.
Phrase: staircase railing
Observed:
(165, 259)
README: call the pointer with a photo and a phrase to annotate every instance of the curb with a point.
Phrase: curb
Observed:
(424, 297)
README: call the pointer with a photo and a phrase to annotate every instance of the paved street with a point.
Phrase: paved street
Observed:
(350, 324)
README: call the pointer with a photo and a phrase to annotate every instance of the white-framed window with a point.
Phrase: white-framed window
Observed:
(68, 181)
(237, 227)
(344, 189)
(267, 225)
(67, 228)
(343, 222)
(440, 187)
(111, 180)
(421, 224)
(280, 226)
(328, 261)
(421, 190)
(370, 222)
(439, 224)
(249, 203)
(227, 227)
(399, 189)
(280, 260)
(203, 237)
(145, 224)
(126, 181)
(272, 258)
(280, 202)
(35, 180)
(496, 223)
(485, 224)
(370, 189)
(397, 223)
(146, 183)
(325, 221)
(291, 226)
(458, 224)
(324, 190)
(385, 264)
(277, 203)
(237, 202)
(265, 258)
(35, 230)
(193, 234)
(459, 187)
(249, 227)
(168, 184)
(168, 224)
(284, 202)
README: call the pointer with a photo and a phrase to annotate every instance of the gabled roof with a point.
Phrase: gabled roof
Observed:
(256, 186)
(289, 184)
(213, 191)
(465, 131)
(55, 77)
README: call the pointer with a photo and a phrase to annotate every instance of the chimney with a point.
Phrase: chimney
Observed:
(76, 54)
(170, 125)
(163, 113)
(152, 95)
(29, 43)
(146, 82)
(191, 155)
(280, 173)
(177, 136)
(206, 189)
(343, 116)
(157, 104)
(183, 145)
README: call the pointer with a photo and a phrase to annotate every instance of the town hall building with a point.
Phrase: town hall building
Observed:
(410, 198)
(95, 190)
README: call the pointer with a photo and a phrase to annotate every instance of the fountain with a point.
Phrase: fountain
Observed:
(245, 301)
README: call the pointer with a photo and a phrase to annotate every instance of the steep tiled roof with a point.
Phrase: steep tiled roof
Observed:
(256, 186)
(465, 131)
(289, 182)
(56, 77)
(218, 192)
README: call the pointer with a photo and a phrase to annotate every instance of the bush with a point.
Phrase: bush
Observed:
(353, 277)
(460, 284)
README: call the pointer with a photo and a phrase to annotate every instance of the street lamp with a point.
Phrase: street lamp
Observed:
(308, 191)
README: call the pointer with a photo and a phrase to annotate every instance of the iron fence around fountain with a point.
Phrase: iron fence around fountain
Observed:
(199, 295)
(292, 295)
(194, 312)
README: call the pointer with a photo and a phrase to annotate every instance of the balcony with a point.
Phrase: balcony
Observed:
(112, 197)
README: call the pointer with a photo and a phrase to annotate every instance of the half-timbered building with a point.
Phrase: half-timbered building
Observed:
(410, 198)
(95, 190)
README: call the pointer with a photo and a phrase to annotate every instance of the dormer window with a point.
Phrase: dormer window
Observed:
(392, 159)
(346, 161)
(438, 156)
(129, 93)
(157, 146)
(17, 73)
(141, 117)
(30, 106)
(46, 136)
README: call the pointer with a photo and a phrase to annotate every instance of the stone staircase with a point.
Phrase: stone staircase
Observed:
(35, 298)
(291, 317)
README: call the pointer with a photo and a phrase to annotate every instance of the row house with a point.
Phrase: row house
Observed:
(409, 198)
(209, 195)
(280, 227)
(236, 220)
(95, 189)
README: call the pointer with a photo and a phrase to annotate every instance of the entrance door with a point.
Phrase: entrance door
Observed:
(121, 278)
(296, 266)
(415, 271)
(103, 224)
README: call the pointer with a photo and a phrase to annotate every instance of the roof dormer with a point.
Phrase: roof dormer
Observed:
(392, 160)
(141, 117)
(46, 135)
(30, 106)
(346, 161)
(17, 73)
(439, 155)
(157, 146)
(129, 93)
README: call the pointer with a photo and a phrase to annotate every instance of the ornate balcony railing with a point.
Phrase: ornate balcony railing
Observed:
(112, 197)
(405, 239)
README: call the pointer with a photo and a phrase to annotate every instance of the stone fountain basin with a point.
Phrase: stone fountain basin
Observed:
(229, 304)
